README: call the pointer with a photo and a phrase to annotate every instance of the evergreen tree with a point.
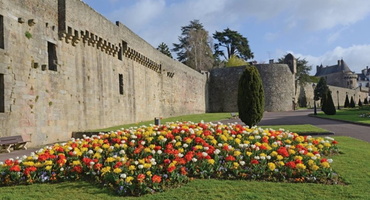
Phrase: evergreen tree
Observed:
(194, 47)
(234, 43)
(251, 99)
(329, 104)
(366, 101)
(359, 102)
(352, 103)
(346, 102)
(164, 49)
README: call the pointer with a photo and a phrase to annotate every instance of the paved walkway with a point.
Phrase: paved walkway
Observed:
(275, 118)
(297, 117)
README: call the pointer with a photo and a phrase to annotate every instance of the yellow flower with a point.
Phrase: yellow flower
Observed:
(110, 159)
(223, 137)
(273, 154)
(299, 139)
(48, 162)
(117, 170)
(149, 173)
(188, 140)
(310, 162)
(147, 165)
(315, 167)
(211, 161)
(199, 147)
(263, 155)
(298, 158)
(291, 151)
(129, 179)
(287, 141)
(251, 137)
(48, 168)
(76, 162)
(147, 150)
(280, 163)
(279, 157)
(301, 166)
(105, 170)
(132, 168)
(237, 141)
(271, 166)
(28, 163)
(326, 144)
(248, 153)
(178, 144)
(237, 153)
(97, 155)
(236, 165)
(325, 165)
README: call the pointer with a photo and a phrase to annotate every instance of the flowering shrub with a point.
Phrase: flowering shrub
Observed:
(365, 115)
(144, 160)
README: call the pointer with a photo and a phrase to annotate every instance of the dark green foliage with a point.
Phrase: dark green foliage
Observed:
(346, 102)
(234, 43)
(302, 100)
(359, 102)
(352, 103)
(163, 48)
(251, 99)
(320, 89)
(328, 106)
(366, 101)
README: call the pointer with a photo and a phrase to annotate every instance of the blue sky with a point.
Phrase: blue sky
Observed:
(320, 31)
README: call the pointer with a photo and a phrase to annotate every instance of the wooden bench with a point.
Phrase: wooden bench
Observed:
(16, 142)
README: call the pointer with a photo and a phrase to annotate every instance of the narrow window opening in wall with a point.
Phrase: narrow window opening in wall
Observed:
(1, 32)
(120, 54)
(121, 84)
(2, 94)
(52, 56)
(124, 46)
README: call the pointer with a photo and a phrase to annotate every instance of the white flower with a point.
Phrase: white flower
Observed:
(301, 151)
(133, 141)
(194, 160)
(263, 157)
(122, 152)
(159, 152)
(256, 157)
(268, 157)
(242, 162)
(123, 141)
(123, 175)
(180, 155)
(136, 162)
(185, 145)
(219, 144)
(206, 148)
(204, 154)
(313, 157)
(153, 151)
(217, 151)
(330, 160)
(153, 163)
(142, 142)
(92, 163)
(140, 166)
(100, 150)
(61, 169)
(90, 152)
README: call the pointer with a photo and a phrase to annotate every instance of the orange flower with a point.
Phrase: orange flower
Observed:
(15, 168)
(140, 177)
(156, 179)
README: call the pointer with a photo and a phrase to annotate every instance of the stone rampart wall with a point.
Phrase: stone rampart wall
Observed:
(79, 71)
(278, 84)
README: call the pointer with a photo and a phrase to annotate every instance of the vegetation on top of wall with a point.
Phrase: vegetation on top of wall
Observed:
(234, 61)
(28, 35)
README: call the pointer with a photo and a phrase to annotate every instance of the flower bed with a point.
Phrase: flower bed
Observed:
(144, 160)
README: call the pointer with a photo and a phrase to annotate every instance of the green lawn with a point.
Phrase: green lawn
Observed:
(208, 117)
(304, 129)
(352, 165)
(347, 114)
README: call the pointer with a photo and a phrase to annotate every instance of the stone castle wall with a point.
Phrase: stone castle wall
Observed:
(65, 68)
(278, 84)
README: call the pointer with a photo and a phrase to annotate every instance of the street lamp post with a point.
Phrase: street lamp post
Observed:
(338, 99)
(314, 100)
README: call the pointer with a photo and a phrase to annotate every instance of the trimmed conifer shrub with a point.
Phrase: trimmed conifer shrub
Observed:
(329, 104)
(346, 102)
(251, 98)
(366, 101)
(352, 103)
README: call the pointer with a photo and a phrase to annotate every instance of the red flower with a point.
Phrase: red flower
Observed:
(77, 169)
(283, 151)
(156, 179)
(323, 160)
(15, 168)
(290, 164)
(171, 169)
(140, 177)
(28, 170)
(167, 161)
(254, 162)
(98, 166)
(230, 158)
(183, 171)
(334, 142)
